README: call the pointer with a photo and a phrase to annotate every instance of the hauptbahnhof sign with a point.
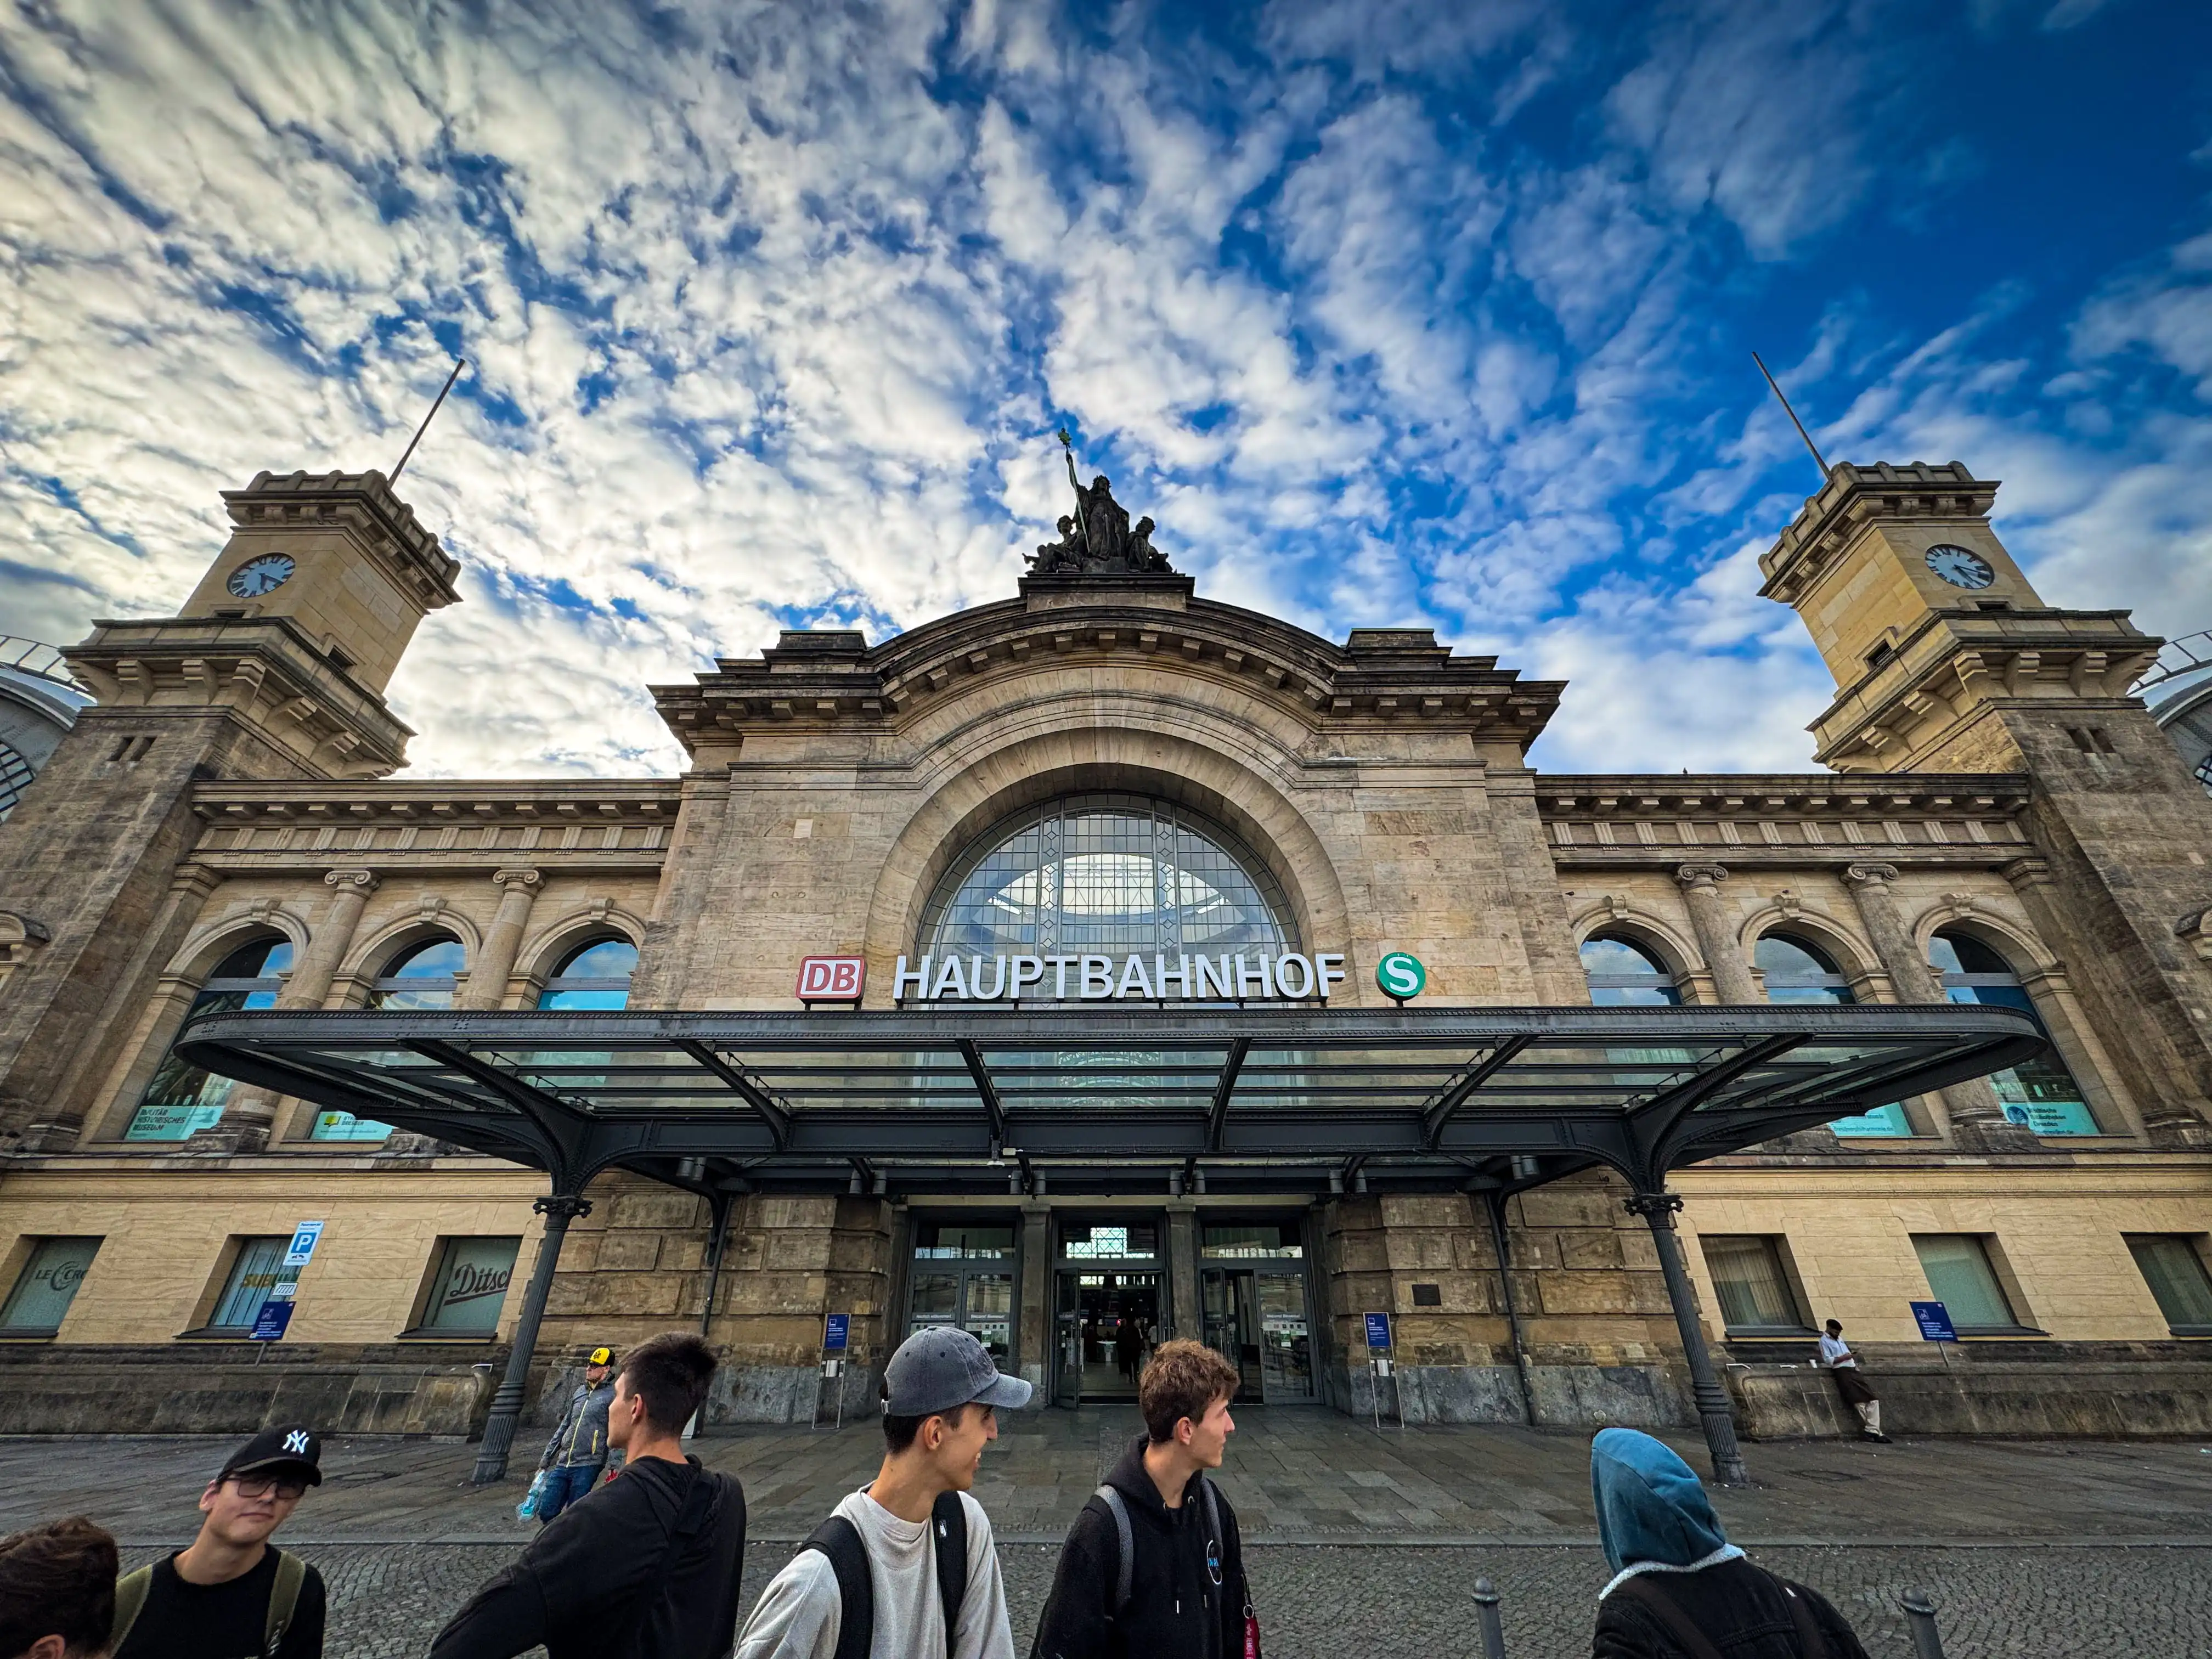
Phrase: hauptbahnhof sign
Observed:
(1262, 977)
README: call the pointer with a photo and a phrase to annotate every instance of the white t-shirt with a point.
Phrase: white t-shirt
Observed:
(1835, 1351)
(799, 1612)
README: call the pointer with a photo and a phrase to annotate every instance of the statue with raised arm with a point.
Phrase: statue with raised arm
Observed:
(1098, 540)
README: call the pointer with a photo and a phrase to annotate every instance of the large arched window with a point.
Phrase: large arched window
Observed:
(1107, 875)
(2040, 1094)
(1623, 973)
(1798, 970)
(424, 977)
(182, 1098)
(593, 975)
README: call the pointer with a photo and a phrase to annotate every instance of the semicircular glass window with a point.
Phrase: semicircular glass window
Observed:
(1107, 875)
(181, 1097)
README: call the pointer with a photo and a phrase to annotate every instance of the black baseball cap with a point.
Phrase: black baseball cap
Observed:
(279, 1451)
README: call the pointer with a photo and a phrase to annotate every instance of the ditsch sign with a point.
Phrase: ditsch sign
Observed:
(831, 979)
(1289, 977)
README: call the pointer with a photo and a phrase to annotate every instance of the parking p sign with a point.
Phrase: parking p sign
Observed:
(304, 1239)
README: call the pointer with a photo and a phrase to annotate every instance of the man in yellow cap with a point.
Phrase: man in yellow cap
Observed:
(576, 1456)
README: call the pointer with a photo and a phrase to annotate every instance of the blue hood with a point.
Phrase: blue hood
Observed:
(1651, 1510)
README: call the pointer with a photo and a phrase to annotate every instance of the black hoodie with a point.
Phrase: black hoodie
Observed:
(1180, 1608)
(608, 1579)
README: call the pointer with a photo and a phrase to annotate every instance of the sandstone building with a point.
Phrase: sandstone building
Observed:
(1107, 768)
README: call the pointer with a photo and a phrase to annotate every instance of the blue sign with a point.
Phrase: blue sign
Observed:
(304, 1239)
(1934, 1321)
(269, 1324)
(834, 1332)
(1378, 1330)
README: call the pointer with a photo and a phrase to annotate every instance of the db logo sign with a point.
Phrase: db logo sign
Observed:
(831, 979)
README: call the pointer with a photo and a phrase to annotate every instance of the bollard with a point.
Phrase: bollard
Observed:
(1485, 1608)
(1920, 1613)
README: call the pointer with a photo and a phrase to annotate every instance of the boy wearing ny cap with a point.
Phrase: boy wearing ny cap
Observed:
(229, 1594)
(576, 1455)
(878, 1556)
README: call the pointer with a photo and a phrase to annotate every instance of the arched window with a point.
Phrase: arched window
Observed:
(2040, 1094)
(593, 975)
(424, 977)
(1626, 974)
(1798, 971)
(1107, 875)
(182, 1098)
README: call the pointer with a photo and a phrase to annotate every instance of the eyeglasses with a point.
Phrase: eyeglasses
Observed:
(262, 1485)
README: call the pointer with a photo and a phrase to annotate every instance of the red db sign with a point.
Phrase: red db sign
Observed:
(831, 979)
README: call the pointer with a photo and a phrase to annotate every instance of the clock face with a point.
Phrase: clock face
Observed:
(1960, 567)
(262, 575)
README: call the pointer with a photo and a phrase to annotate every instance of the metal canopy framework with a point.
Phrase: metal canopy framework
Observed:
(1114, 1098)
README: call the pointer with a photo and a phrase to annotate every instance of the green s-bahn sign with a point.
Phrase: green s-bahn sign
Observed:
(1401, 975)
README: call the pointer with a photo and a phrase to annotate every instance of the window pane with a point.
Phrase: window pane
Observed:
(2175, 1272)
(2039, 1094)
(1270, 1239)
(248, 1287)
(1754, 1291)
(48, 1285)
(472, 1285)
(936, 1295)
(440, 959)
(597, 976)
(950, 1241)
(1617, 956)
(1960, 1278)
(1778, 954)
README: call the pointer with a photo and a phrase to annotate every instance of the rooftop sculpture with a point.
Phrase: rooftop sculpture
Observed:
(1098, 539)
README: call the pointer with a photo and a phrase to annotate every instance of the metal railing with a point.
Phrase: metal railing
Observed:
(1919, 1609)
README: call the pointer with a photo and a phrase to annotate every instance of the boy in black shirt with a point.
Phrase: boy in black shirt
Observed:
(229, 1594)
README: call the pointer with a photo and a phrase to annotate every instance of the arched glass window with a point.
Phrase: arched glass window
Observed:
(1626, 974)
(424, 977)
(2040, 1094)
(1107, 875)
(182, 1098)
(595, 975)
(1797, 971)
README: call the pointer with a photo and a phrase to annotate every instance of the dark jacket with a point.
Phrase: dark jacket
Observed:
(579, 1439)
(602, 1581)
(1178, 1607)
(1738, 1607)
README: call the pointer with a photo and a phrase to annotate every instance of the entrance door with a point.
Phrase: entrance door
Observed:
(1108, 1325)
(1256, 1320)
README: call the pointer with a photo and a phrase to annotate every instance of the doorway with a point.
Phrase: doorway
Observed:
(1256, 1319)
(1110, 1323)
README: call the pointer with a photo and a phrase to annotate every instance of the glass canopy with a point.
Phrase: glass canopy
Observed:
(937, 1100)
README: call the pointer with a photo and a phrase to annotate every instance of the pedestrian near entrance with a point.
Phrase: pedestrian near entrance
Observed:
(1679, 1589)
(576, 1454)
(230, 1594)
(909, 1556)
(647, 1566)
(57, 1591)
(1153, 1567)
(1850, 1383)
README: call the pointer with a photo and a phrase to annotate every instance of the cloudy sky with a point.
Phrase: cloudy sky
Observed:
(1388, 311)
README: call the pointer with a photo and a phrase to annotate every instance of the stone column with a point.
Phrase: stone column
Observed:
(486, 986)
(1709, 921)
(559, 1210)
(1978, 1119)
(1034, 1332)
(1657, 1209)
(1184, 1317)
(250, 1114)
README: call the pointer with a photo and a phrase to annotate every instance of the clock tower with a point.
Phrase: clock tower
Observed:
(1946, 660)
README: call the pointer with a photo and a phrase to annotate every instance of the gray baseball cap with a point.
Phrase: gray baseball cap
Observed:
(940, 1367)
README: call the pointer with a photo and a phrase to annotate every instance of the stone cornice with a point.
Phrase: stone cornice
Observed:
(1854, 496)
(362, 503)
(1377, 677)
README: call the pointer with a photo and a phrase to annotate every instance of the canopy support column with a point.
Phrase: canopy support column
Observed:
(1494, 1201)
(1657, 1209)
(559, 1210)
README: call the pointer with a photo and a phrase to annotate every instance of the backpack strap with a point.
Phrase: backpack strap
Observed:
(1125, 1575)
(283, 1600)
(948, 1517)
(840, 1540)
(1811, 1644)
(1660, 1606)
(130, 1599)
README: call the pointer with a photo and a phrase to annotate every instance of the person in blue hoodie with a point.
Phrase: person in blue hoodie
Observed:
(1679, 1589)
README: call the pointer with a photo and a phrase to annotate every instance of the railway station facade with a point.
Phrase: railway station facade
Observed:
(1101, 963)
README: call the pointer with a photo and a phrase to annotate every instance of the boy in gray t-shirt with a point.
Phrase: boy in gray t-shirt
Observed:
(941, 1395)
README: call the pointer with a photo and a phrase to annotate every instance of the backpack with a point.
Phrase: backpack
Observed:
(840, 1540)
(1692, 1641)
(130, 1591)
(1124, 1572)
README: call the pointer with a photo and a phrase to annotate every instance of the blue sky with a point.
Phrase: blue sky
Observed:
(1389, 313)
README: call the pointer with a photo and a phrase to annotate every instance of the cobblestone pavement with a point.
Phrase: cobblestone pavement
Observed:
(1323, 1601)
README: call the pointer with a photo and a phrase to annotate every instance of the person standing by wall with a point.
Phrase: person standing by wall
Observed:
(1850, 1383)
(649, 1567)
(57, 1591)
(911, 1552)
(229, 1593)
(576, 1454)
(1154, 1565)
